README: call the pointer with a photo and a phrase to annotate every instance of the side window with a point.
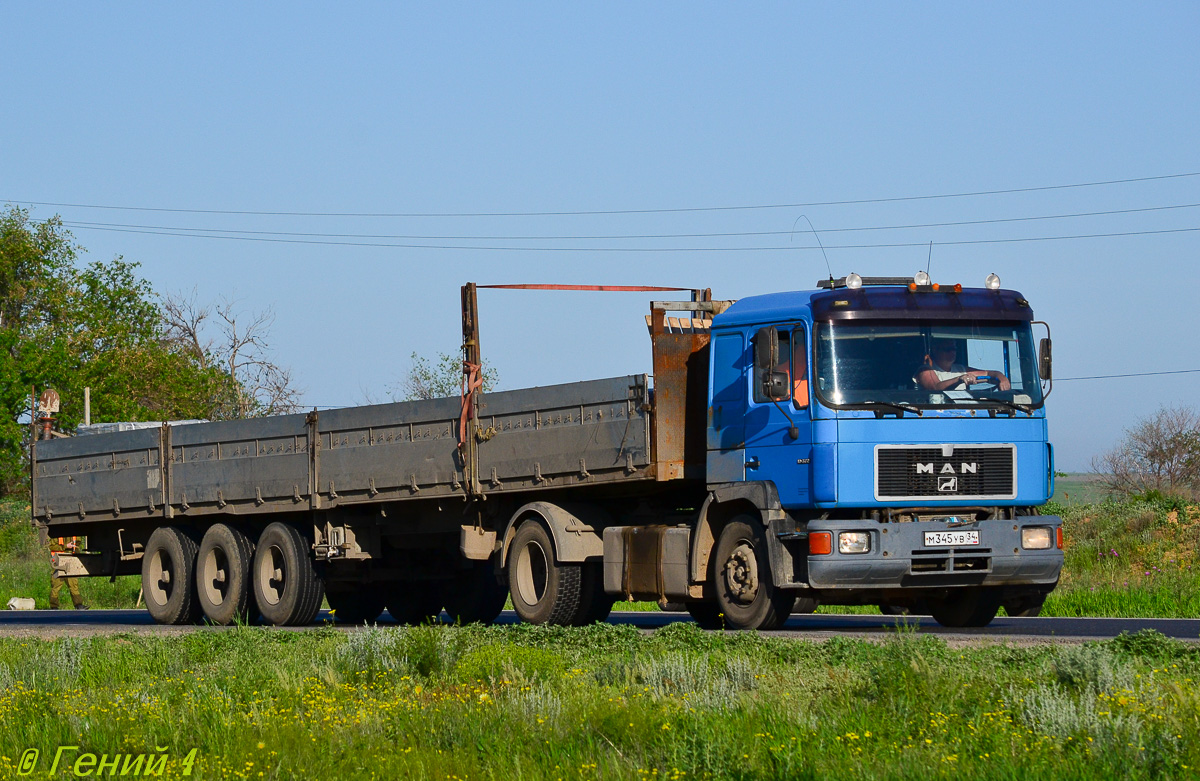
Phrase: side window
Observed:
(785, 366)
(799, 368)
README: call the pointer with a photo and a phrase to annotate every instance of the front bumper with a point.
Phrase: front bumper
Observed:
(899, 557)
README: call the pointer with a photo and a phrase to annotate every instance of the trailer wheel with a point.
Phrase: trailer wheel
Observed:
(414, 602)
(354, 603)
(706, 613)
(741, 578)
(475, 596)
(543, 592)
(223, 576)
(287, 588)
(169, 576)
(594, 603)
(966, 608)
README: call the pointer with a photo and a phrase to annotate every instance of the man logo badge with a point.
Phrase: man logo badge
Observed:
(947, 484)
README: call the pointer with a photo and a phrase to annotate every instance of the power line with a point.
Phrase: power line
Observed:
(1138, 374)
(624, 236)
(791, 248)
(978, 193)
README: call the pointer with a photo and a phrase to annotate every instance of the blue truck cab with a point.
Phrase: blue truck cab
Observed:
(898, 429)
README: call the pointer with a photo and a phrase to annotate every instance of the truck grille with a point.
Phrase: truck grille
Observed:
(926, 473)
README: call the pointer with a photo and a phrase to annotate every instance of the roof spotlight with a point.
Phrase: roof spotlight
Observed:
(853, 281)
(921, 278)
(992, 282)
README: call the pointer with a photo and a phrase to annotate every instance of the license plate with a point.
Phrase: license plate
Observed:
(951, 539)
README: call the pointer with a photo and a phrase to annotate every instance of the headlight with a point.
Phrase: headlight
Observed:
(854, 542)
(1036, 538)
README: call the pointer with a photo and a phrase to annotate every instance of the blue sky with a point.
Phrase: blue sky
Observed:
(382, 108)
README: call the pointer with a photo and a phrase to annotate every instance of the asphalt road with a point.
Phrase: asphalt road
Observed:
(59, 623)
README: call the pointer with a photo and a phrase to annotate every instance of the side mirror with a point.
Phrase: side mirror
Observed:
(766, 350)
(1044, 358)
(775, 385)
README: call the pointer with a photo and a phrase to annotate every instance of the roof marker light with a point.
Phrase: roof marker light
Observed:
(992, 282)
(853, 281)
(921, 278)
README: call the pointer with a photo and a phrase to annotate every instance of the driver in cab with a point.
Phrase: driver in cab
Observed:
(940, 372)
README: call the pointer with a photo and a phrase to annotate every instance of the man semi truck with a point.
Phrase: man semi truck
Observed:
(874, 441)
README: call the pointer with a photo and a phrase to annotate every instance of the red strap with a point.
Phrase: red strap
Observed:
(472, 381)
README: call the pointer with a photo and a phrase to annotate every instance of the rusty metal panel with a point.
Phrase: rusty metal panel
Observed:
(680, 395)
(239, 462)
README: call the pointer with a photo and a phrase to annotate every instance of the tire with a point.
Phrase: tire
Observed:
(354, 603)
(966, 608)
(223, 576)
(741, 578)
(595, 604)
(413, 602)
(287, 587)
(1025, 607)
(706, 613)
(543, 592)
(169, 576)
(475, 596)
(805, 606)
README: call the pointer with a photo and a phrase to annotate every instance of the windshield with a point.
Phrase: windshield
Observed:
(926, 363)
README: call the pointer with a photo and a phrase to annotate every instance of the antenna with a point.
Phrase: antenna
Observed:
(929, 259)
(814, 233)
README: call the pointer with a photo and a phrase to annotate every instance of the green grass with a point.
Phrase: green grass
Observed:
(604, 702)
(1136, 558)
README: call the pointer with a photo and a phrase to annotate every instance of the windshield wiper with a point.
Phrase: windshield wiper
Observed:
(899, 406)
(1026, 408)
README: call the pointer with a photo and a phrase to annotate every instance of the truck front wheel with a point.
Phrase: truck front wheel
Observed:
(966, 608)
(741, 578)
(543, 592)
(169, 576)
(742, 581)
(287, 588)
(223, 575)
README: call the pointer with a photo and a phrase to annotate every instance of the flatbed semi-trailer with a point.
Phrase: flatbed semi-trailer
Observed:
(570, 496)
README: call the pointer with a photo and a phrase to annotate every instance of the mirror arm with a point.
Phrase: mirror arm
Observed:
(793, 431)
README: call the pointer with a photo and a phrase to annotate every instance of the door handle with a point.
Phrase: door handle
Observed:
(752, 463)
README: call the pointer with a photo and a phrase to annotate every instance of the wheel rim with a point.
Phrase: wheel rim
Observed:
(161, 576)
(272, 578)
(532, 566)
(741, 573)
(215, 576)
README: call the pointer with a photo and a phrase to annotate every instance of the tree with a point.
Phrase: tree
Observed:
(68, 327)
(428, 379)
(239, 349)
(1160, 453)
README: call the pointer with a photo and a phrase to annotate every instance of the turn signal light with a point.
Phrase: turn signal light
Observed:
(820, 543)
(1058, 537)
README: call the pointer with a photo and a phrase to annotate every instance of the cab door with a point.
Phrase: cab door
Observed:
(779, 427)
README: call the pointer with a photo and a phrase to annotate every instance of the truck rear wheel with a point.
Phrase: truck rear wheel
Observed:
(169, 576)
(966, 608)
(287, 588)
(543, 592)
(475, 596)
(741, 578)
(594, 603)
(354, 603)
(223, 576)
